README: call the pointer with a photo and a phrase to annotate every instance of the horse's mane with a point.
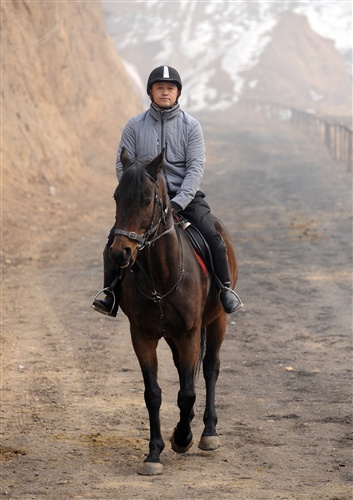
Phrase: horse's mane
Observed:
(132, 183)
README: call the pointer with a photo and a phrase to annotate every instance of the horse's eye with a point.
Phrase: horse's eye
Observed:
(147, 202)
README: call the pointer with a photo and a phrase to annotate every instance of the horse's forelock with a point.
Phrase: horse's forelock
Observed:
(132, 183)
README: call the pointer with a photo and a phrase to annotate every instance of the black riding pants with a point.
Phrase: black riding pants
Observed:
(199, 214)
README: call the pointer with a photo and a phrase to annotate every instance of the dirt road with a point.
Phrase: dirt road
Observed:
(73, 420)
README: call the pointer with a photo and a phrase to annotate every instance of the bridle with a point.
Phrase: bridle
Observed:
(150, 236)
(147, 240)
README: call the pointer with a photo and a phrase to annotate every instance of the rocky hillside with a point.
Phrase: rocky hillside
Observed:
(65, 94)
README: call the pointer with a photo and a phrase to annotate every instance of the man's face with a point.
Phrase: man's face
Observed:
(164, 94)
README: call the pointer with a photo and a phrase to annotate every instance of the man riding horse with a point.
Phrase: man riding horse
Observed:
(166, 126)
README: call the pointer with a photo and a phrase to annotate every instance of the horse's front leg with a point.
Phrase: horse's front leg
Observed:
(147, 356)
(188, 359)
(211, 364)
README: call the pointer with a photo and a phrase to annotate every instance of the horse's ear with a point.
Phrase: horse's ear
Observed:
(124, 158)
(154, 167)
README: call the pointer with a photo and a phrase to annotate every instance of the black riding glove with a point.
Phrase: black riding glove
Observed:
(175, 207)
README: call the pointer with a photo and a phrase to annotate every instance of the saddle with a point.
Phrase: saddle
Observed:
(198, 243)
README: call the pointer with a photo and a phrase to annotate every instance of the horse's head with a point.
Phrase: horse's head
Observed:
(141, 207)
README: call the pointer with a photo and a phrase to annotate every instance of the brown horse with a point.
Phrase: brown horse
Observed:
(165, 293)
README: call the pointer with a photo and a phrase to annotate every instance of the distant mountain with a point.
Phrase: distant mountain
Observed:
(295, 52)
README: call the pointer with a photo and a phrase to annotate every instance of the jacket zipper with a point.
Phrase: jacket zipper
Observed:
(165, 151)
(162, 131)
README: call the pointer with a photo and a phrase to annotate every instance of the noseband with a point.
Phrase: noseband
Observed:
(150, 236)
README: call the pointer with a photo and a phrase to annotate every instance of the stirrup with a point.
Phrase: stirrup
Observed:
(104, 290)
(240, 303)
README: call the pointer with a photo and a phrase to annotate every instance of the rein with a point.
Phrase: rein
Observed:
(156, 297)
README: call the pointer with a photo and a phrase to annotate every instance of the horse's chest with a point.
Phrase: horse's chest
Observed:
(162, 316)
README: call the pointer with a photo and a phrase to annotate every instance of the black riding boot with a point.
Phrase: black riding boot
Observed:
(112, 287)
(229, 299)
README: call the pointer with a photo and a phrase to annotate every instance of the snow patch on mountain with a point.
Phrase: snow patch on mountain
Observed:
(214, 44)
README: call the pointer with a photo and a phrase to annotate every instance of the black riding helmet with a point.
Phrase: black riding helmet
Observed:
(164, 74)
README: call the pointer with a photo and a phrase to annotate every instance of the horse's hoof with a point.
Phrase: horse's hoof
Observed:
(151, 469)
(208, 443)
(180, 449)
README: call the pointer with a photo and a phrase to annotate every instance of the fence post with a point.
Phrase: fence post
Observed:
(337, 138)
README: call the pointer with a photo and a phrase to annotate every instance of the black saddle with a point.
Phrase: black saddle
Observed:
(197, 241)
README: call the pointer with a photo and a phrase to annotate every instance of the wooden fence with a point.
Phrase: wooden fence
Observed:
(337, 138)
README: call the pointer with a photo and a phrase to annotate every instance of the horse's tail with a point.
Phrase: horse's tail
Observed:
(202, 350)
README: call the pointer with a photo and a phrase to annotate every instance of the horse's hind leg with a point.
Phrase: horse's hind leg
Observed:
(211, 364)
(147, 356)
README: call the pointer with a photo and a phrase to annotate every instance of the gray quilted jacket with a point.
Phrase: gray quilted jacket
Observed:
(144, 137)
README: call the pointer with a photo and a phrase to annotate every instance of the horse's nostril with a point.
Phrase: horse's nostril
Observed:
(120, 256)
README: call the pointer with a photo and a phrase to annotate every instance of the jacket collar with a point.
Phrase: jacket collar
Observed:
(167, 114)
